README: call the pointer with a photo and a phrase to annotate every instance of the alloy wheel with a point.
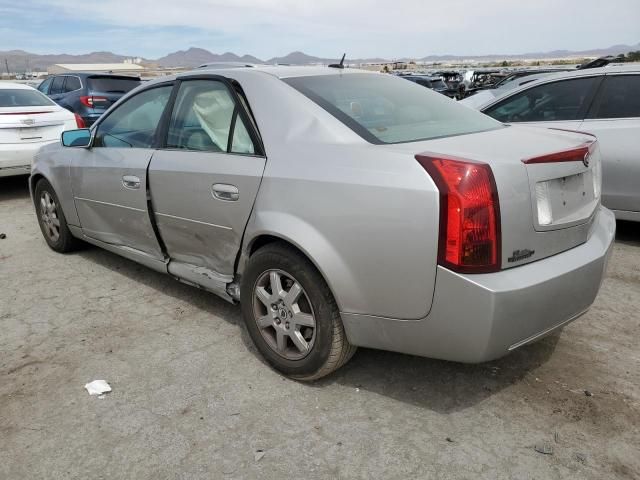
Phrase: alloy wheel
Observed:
(49, 216)
(284, 314)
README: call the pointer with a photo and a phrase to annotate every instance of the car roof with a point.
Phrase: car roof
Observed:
(15, 86)
(94, 74)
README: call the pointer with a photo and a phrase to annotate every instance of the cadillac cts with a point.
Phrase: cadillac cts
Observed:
(341, 209)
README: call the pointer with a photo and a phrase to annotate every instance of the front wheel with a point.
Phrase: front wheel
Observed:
(51, 219)
(291, 314)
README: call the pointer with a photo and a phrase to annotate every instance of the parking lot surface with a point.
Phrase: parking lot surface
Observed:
(192, 399)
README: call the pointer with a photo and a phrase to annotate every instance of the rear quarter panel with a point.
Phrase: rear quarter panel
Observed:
(365, 216)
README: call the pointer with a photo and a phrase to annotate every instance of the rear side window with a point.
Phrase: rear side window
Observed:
(204, 117)
(23, 98)
(112, 84)
(133, 124)
(72, 83)
(562, 100)
(57, 86)
(386, 109)
(619, 97)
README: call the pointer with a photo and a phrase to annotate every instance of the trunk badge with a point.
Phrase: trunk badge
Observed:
(518, 255)
(28, 121)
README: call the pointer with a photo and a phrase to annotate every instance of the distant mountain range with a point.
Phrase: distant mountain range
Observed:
(20, 60)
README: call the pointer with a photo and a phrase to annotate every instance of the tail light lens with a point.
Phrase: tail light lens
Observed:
(469, 214)
(79, 121)
(91, 100)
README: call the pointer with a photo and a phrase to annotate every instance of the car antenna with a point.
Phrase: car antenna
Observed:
(339, 65)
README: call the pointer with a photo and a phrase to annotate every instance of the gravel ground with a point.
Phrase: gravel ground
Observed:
(192, 399)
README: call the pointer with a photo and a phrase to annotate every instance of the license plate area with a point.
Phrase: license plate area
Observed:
(32, 133)
(561, 199)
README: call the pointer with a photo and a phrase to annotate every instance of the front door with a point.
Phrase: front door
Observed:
(109, 180)
(204, 182)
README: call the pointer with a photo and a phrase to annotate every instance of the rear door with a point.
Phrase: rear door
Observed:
(109, 180)
(615, 120)
(204, 182)
(557, 104)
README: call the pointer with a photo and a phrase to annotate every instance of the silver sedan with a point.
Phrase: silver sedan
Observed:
(340, 208)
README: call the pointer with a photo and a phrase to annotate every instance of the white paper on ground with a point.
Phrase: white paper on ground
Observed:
(97, 387)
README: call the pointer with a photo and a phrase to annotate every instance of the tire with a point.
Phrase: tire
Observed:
(327, 347)
(53, 223)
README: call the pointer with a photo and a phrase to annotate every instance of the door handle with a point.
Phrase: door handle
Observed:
(131, 182)
(226, 192)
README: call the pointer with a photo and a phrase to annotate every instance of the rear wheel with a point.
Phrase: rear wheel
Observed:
(51, 219)
(291, 314)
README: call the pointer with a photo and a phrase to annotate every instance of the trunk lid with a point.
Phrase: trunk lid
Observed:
(33, 124)
(546, 207)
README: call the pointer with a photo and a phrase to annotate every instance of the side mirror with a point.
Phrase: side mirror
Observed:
(77, 138)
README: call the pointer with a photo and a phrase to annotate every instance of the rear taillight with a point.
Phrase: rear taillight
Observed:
(469, 214)
(92, 100)
(79, 121)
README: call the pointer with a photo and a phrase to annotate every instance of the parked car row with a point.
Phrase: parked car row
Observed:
(28, 120)
(31, 118)
(341, 208)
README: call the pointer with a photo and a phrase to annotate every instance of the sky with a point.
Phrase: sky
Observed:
(324, 28)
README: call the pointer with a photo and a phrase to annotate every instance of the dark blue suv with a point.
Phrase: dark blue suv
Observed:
(87, 94)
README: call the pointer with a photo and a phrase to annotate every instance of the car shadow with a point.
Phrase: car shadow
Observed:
(628, 232)
(438, 385)
(201, 299)
(12, 188)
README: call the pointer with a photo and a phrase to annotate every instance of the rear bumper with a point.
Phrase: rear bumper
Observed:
(627, 215)
(476, 318)
(16, 158)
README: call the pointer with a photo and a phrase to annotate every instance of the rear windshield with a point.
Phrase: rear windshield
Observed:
(23, 98)
(112, 84)
(385, 109)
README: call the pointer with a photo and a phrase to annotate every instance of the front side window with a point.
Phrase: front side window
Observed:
(205, 117)
(562, 100)
(23, 97)
(134, 123)
(386, 109)
(620, 97)
(44, 86)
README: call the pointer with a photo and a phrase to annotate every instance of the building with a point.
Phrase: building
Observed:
(122, 68)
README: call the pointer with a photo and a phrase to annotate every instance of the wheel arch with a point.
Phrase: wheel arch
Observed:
(309, 242)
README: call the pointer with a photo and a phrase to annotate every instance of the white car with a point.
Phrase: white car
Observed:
(28, 120)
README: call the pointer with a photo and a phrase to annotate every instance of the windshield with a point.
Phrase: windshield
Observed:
(385, 109)
(23, 98)
(112, 84)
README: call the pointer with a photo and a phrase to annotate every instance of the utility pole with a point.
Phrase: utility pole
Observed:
(6, 64)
